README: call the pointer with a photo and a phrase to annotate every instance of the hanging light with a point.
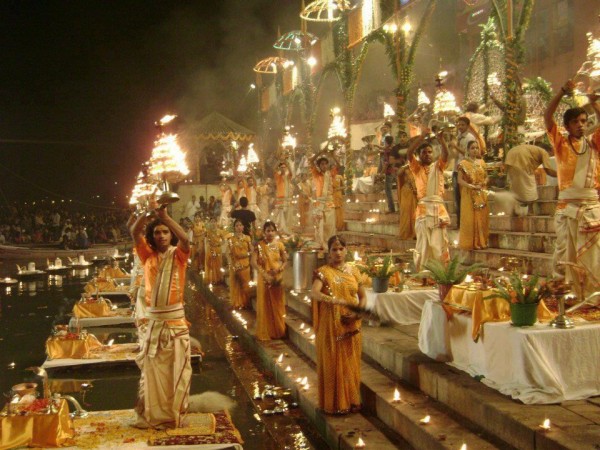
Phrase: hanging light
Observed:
(296, 40)
(325, 10)
(271, 64)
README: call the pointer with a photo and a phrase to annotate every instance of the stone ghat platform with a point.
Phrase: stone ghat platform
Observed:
(462, 409)
(531, 238)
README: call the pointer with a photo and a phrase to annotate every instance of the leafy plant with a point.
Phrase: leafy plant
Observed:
(450, 273)
(516, 290)
(294, 243)
(377, 267)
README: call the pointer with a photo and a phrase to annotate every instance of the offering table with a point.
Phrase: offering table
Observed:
(536, 365)
(400, 308)
(37, 429)
(77, 347)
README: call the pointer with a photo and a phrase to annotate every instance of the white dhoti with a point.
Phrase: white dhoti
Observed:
(166, 370)
(432, 237)
(323, 214)
(224, 217)
(279, 214)
(577, 249)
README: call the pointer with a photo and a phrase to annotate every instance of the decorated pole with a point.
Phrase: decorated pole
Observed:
(514, 54)
(402, 52)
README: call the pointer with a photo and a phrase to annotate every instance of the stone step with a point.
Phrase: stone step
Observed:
(544, 193)
(529, 242)
(517, 425)
(378, 241)
(377, 390)
(340, 432)
(492, 258)
(534, 224)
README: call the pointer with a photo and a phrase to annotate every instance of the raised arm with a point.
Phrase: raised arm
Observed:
(410, 152)
(444, 152)
(176, 229)
(553, 105)
(136, 227)
(593, 97)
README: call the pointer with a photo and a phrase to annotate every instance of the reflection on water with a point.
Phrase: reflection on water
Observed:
(30, 308)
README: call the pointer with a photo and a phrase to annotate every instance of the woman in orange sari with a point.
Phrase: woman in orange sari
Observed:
(269, 260)
(240, 249)
(336, 295)
(474, 210)
(213, 262)
(407, 202)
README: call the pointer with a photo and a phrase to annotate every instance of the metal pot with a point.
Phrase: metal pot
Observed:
(305, 263)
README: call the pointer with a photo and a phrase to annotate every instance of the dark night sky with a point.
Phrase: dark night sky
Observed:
(86, 79)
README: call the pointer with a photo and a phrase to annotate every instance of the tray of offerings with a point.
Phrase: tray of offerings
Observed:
(113, 429)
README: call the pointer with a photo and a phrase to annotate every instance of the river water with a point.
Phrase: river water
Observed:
(29, 309)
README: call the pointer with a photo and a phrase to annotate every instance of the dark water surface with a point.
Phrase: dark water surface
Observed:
(29, 309)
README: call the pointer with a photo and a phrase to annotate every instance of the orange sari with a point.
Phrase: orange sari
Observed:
(338, 201)
(407, 202)
(339, 345)
(213, 262)
(474, 211)
(240, 248)
(270, 305)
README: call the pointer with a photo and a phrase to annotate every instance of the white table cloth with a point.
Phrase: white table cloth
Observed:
(401, 308)
(536, 365)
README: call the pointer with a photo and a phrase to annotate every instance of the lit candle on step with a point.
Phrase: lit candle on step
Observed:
(304, 381)
(306, 387)
(307, 331)
(302, 326)
(360, 443)
(397, 398)
(288, 369)
(280, 359)
(463, 447)
(425, 420)
(468, 279)
(312, 337)
(298, 380)
(545, 425)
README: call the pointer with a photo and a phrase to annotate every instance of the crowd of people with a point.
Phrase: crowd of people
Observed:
(61, 226)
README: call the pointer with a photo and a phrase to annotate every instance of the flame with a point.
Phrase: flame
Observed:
(360, 443)
(546, 424)
(168, 158)
(280, 358)
(397, 396)
(252, 156)
(166, 119)
(444, 102)
(388, 111)
(425, 420)
(423, 99)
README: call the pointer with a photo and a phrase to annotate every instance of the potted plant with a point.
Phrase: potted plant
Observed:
(379, 270)
(523, 295)
(293, 244)
(447, 275)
